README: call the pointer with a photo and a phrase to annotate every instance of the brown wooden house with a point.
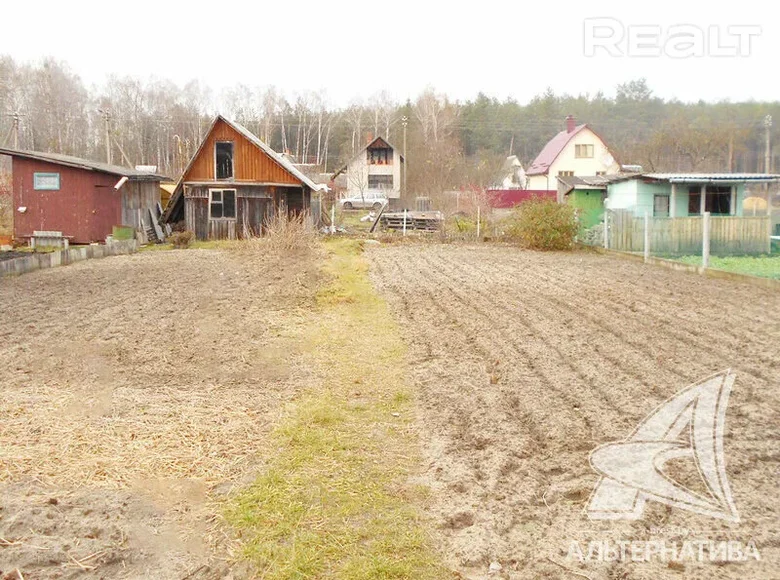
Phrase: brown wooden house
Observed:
(234, 184)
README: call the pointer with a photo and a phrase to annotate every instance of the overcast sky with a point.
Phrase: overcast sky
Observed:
(353, 49)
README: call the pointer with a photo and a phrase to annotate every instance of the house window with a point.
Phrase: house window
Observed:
(380, 156)
(601, 173)
(380, 182)
(222, 204)
(660, 206)
(583, 151)
(565, 174)
(46, 181)
(718, 200)
(224, 159)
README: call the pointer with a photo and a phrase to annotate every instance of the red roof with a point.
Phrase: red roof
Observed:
(503, 198)
(549, 154)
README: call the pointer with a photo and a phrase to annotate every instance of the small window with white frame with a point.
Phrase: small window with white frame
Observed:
(46, 181)
(583, 151)
(222, 204)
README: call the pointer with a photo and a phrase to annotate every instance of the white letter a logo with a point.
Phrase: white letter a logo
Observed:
(632, 470)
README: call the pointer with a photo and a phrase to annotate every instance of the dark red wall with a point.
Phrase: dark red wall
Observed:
(505, 198)
(78, 209)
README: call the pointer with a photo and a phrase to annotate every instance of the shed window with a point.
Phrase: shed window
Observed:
(222, 204)
(224, 154)
(718, 200)
(46, 181)
(661, 206)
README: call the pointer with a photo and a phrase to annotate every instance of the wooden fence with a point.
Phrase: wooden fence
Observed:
(729, 235)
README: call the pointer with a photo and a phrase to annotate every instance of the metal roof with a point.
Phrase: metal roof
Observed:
(713, 177)
(541, 165)
(593, 181)
(86, 164)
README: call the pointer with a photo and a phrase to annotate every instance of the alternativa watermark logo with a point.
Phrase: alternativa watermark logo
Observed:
(609, 36)
(688, 425)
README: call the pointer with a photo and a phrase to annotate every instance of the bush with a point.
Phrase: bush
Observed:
(289, 233)
(181, 240)
(542, 224)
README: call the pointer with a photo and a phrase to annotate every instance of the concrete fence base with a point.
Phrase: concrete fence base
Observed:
(40, 261)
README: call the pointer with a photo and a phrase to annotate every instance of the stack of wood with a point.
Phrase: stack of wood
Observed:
(428, 221)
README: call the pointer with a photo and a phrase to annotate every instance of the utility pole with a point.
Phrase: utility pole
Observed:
(106, 117)
(768, 161)
(16, 130)
(404, 123)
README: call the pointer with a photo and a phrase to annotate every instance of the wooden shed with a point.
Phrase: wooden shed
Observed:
(234, 184)
(82, 199)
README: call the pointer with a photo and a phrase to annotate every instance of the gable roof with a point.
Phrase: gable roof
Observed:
(284, 162)
(254, 140)
(555, 146)
(85, 164)
(359, 153)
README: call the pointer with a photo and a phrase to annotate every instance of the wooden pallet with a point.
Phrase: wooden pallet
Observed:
(429, 221)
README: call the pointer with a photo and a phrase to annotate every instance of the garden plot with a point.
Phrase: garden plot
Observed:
(525, 362)
(136, 392)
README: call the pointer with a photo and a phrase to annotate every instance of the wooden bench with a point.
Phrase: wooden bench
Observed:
(48, 238)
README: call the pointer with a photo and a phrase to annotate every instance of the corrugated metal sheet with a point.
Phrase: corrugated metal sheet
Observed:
(711, 177)
(79, 163)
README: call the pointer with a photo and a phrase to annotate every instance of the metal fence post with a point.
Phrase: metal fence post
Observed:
(705, 241)
(606, 230)
(405, 221)
(647, 236)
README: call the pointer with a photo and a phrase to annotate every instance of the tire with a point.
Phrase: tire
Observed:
(347, 205)
(377, 206)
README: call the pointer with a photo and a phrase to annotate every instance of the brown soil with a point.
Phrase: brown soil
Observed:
(525, 362)
(137, 391)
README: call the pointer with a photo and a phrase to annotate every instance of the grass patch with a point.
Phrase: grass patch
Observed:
(761, 266)
(195, 245)
(335, 500)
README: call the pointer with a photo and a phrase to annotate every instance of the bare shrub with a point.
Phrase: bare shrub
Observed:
(181, 240)
(542, 224)
(286, 233)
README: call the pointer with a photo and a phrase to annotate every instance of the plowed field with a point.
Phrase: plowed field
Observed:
(525, 362)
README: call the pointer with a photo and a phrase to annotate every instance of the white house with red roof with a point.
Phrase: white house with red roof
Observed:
(576, 151)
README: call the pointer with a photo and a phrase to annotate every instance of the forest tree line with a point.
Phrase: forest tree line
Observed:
(450, 144)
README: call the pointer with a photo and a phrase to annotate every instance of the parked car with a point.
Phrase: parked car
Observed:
(369, 200)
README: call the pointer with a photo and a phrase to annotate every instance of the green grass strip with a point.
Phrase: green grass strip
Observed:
(335, 500)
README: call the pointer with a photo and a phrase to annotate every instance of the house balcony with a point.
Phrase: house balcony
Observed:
(380, 170)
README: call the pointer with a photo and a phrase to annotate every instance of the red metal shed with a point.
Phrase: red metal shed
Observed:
(77, 197)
